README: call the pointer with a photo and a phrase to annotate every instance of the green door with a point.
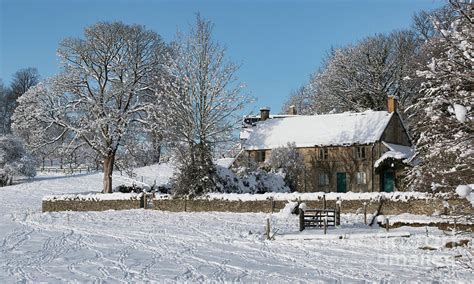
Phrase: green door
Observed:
(341, 182)
(388, 182)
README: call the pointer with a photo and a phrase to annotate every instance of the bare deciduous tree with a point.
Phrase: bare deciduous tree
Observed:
(202, 100)
(22, 80)
(4, 113)
(303, 99)
(361, 77)
(423, 21)
(104, 92)
(291, 162)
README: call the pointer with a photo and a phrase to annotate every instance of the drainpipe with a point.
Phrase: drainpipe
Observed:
(372, 165)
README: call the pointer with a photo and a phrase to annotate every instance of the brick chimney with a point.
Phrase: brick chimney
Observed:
(392, 104)
(264, 113)
(292, 110)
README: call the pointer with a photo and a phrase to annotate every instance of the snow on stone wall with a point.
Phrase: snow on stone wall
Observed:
(395, 196)
(94, 197)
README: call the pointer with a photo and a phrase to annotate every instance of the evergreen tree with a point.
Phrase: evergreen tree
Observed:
(442, 117)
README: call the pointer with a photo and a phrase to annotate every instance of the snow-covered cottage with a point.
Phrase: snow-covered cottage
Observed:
(359, 152)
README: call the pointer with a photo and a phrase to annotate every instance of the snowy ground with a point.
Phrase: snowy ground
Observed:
(146, 245)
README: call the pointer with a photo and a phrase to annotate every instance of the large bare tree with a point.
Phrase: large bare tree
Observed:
(4, 117)
(104, 92)
(22, 80)
(361, 76)
(202, 101)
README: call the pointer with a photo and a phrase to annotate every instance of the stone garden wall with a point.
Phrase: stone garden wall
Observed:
(390, 207)
(90, 205)
(93, 202)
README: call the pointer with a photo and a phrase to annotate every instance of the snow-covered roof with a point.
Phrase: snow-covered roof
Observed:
(224, 162)
(318, 130)
(245, 133)
(396, 151)
(407, 151)
(257, 116)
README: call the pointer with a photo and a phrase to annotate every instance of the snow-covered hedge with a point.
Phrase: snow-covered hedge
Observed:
(94, 197)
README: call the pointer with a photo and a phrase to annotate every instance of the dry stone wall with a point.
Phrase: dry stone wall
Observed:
(390, 207)
(90, 205)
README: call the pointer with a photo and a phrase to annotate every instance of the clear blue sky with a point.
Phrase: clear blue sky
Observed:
(278, 43)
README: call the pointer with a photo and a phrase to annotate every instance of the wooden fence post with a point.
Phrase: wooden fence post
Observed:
(301, 219)
(365, 213)
(273, 205)
(298, 205)
(387, 224)
(325, 222)
(324, 201)
(267, 229)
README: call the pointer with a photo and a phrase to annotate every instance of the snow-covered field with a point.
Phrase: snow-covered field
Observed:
(147, 245)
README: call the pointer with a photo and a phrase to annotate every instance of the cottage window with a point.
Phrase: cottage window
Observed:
(261, 156)
(323, 179)
(360, 152)
(361, 178)
(323, 153)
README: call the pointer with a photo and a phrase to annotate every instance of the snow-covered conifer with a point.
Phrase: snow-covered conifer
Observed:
(442, 117)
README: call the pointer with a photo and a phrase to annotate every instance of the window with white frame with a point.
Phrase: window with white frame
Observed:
(323, 179)
(361, 178)
(323, 153)
(360, 152)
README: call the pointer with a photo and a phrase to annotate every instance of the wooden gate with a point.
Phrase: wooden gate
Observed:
(316, 217)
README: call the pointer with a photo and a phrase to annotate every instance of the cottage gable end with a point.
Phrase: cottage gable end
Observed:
(395, 132)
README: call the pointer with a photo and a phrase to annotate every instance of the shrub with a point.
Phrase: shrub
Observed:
(288, 160)
(14, 160)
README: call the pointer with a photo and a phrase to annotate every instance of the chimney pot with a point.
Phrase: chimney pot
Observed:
(264, 113)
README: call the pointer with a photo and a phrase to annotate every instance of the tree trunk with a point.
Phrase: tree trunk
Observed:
(157, 154)
(108, 170)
